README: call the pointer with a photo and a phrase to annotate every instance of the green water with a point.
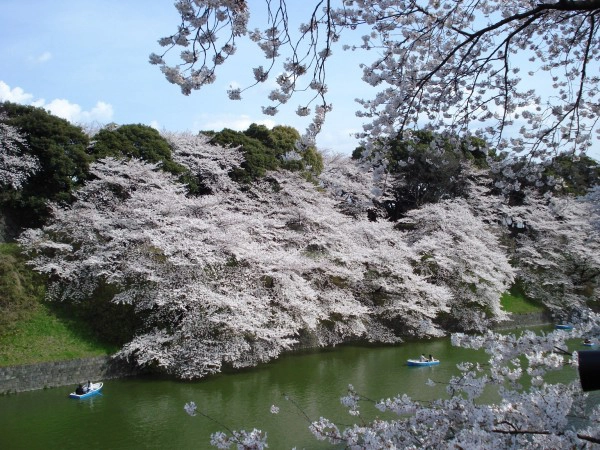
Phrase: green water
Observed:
(148, 413)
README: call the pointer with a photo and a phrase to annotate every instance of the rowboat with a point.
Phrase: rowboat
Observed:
(418, 362)
(563, 326)
(94, 389)
(588, 343)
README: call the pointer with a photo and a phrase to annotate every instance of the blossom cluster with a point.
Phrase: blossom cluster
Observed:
(235, 276)
(15, 164)
(455, 66)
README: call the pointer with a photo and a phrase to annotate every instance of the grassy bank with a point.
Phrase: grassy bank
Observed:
(517, 303)
(31, 330)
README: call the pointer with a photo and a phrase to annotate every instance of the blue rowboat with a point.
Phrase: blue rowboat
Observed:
(418, 362)
(562, 326)
(93, 390)
(588, 344)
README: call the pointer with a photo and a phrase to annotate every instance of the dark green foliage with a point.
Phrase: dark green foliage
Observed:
(428, 168)
(266, 149)
(564, 175)
(260, 133)
(284, 139)
(357, 153)
(61, 150)
(578, 174)
(141, 142)
(259, 158)
(134, 141)
(313, 159)
(279, 140)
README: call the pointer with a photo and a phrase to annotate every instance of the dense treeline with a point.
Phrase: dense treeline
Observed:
(230, 247)
(64, 153)
(60, 149)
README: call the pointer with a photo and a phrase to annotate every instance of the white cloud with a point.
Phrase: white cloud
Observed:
(15, 95)
(102, 112)
(238, 123)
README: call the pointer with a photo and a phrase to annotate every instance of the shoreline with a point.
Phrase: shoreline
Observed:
(31, 377)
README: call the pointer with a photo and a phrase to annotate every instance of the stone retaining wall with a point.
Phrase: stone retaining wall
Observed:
(61, 373)
(525, 320)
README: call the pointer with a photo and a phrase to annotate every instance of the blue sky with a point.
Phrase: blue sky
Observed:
(87, 61)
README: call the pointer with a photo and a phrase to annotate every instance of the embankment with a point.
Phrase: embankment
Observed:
(30, 377)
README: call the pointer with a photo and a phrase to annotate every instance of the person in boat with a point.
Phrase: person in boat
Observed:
(88, 387)
(587, 341)
(430, 358)
(423, 358)
(79, 390)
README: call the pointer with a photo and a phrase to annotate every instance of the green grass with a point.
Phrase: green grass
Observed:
(45, 336)
(31, 330)
(517, 303)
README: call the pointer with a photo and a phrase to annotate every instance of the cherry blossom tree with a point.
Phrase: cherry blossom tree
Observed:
(16, 165)
(523, 75)
(352, 184)
(551, 239)
(243, 272)
(557, 252)
(456, 249)
(236, 276)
